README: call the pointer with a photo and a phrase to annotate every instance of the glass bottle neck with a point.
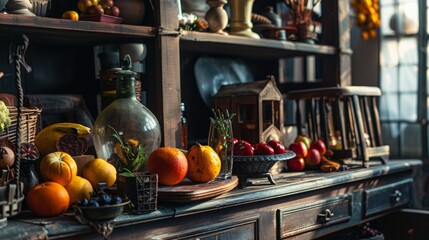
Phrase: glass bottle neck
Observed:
(125, 88)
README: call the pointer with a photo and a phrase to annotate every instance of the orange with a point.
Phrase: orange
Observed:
(48, 199)
(360, 18)
(58, 167)
(169, 163)
(72, 15)
(78, 189)
(99, 171)
(204, 163)
(364, 35)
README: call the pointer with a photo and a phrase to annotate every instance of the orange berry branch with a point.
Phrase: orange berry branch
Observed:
(367, 17)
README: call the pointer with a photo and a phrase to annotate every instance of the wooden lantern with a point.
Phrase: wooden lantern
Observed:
(259, 109)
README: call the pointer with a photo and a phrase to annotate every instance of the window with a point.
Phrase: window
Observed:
(402, 104)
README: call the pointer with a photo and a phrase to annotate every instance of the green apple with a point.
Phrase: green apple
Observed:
(305, 139)
(83, 5)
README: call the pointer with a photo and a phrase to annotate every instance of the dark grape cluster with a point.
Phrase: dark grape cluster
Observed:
(368, 231)
(100, 198)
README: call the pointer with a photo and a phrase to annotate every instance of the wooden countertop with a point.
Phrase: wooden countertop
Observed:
(26, 225)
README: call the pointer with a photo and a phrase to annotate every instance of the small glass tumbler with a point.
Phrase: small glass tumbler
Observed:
(222, 142)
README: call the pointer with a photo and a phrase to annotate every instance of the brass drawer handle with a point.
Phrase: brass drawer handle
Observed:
(396, 196)
(326, 215)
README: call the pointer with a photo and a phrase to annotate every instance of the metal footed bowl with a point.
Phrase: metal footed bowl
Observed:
(258, 164)
(106, 212)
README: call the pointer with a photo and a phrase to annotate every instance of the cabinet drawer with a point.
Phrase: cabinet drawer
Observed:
(313, 215)
(238, 228)
(387, 197)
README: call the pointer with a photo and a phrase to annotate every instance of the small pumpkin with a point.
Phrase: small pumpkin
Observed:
(99, 171)
(78, 189)
(203, 163)
(48, 199)
(58, 167)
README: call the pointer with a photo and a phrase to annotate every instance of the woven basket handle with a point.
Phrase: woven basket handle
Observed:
(17, 48)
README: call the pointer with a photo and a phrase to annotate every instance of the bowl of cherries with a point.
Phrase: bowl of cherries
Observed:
(255, 161)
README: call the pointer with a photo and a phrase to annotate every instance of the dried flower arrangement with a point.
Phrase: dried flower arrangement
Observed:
(131, 154)
(302, 17)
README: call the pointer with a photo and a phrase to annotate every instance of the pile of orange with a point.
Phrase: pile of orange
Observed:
(62, 186)
(201, 164)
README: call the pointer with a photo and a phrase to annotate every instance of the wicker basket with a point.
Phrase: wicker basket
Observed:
(10, 202)
(28, 124)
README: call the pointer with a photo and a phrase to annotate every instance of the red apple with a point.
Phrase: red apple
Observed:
(106, 4)
(114, 11)
(295, 164)
(243, 148)
(95, 9)
(299, 149)
(263, 149)
(278, 147)
(313, 158)
(320, 146)
(305, 139)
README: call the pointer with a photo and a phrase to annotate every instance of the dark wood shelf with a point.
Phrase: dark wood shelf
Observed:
(248, 47)
(62, 31)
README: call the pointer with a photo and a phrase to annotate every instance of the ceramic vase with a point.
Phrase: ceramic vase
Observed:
(305, 33)
(132, 11)
(217, 17)
(240, 22)
(223, 145)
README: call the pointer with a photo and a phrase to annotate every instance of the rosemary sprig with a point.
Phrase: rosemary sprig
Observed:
(221, 121)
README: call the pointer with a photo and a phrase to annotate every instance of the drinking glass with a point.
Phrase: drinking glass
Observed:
(222, 142)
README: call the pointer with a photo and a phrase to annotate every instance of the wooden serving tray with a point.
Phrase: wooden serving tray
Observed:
(187, 191)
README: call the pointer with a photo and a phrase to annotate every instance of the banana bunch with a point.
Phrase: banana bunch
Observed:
(47, 140)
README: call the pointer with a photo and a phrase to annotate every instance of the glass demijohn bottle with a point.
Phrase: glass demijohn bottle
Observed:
(130, 118)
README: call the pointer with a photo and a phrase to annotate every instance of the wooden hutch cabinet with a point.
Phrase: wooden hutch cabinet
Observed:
(63, 49)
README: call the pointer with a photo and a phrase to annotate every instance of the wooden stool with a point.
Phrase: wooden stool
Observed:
(345, 118)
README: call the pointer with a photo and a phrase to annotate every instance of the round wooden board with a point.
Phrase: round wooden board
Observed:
(187, 191)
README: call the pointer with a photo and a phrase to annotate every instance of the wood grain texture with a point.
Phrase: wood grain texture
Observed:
(247, 47)
(187, 191)
(165, 88)
(252, 212)
(66, 31)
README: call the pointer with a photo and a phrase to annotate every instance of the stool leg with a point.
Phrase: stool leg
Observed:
(360, 131)
(323, 121)
(298, 117)
(342, 122)
(366, 115)
(376, 122)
